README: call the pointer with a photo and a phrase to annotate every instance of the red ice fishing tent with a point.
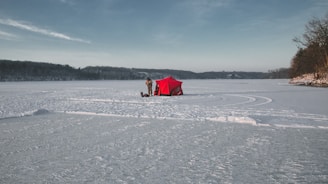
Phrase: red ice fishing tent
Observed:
(168, 86)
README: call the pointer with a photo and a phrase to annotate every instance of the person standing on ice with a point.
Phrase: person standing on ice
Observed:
(149, 84)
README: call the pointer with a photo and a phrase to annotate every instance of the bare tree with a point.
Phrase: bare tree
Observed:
(315, 40)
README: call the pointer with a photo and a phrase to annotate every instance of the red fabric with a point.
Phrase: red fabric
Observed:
(168, 86)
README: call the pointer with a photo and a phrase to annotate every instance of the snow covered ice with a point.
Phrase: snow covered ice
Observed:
(220, 131)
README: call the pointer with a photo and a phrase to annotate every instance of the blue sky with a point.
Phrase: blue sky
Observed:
(195, 35)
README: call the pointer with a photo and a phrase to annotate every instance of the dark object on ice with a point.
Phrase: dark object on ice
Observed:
(40, 112)
(144, 95)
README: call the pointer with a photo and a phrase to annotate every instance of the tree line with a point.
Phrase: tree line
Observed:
(36, 71)
(312, 54)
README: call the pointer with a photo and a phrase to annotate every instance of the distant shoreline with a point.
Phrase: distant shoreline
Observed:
(36, 71)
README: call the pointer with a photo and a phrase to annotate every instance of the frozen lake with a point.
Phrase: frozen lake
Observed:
(220, 131)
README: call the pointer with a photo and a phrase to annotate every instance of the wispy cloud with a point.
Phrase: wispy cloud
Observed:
(35, 29)
(167, 38)
(7, 36)
(203, 7)
(198, 11)
(69, 2)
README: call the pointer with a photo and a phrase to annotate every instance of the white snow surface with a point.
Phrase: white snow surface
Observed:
(310, 79)
(220, 131)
